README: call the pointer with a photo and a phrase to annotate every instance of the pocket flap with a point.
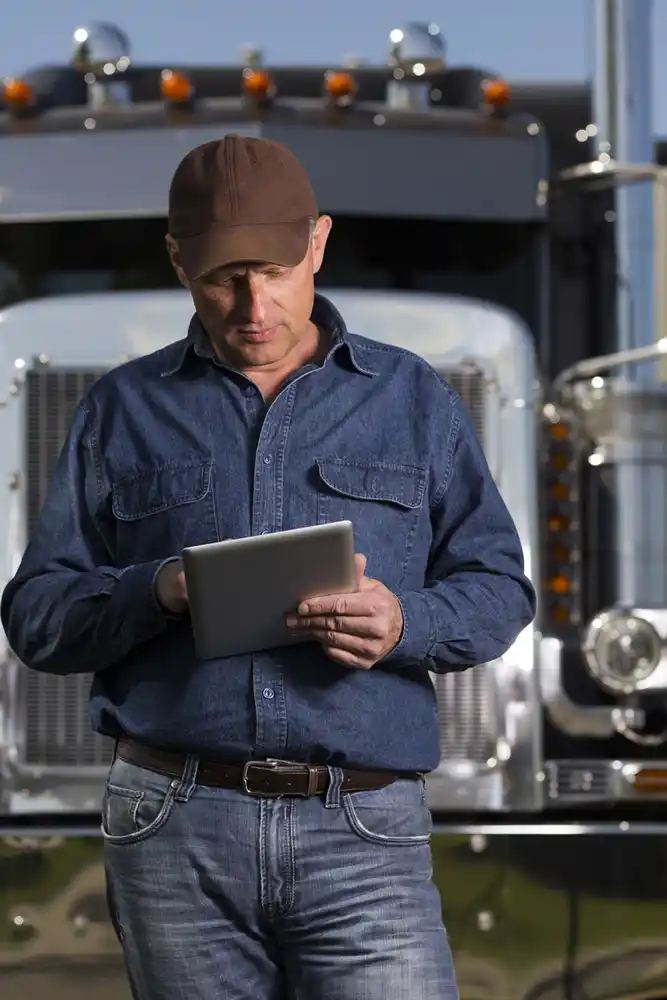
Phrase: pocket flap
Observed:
(159, 489)
(403, 485)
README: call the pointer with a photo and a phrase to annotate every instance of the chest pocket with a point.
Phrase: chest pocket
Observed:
(383, 501)
(161, 510)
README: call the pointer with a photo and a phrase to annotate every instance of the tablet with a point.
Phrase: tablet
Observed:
(241, 589)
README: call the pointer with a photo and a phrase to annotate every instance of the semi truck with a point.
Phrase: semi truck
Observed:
(514, 235)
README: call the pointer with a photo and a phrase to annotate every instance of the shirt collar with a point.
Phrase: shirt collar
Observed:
(324, 314)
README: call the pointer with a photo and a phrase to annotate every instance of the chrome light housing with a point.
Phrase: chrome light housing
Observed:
(622, 650)
(417, 49)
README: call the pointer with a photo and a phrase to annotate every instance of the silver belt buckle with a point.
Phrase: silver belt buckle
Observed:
(273, 764)
(258, 765)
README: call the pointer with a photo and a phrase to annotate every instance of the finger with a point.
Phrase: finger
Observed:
(361, 646)
(370, 628)
(360, 566)
(347, 659)
(364, 604)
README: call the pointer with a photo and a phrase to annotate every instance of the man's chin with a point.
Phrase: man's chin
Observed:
(262, 354)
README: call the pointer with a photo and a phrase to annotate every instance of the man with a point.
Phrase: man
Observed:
(265, 825)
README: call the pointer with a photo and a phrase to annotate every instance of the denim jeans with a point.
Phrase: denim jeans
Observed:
(220, 895)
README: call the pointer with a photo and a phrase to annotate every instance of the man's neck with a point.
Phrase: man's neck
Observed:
(312, 349)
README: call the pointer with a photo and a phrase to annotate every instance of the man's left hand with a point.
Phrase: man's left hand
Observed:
(357, 629)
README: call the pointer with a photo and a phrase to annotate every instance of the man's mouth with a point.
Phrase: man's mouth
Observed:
(258, 336)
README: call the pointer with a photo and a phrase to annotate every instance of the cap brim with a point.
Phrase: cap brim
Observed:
(284, 244)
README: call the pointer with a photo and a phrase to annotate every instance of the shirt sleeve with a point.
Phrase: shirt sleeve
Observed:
(68, 609)
(476, 599)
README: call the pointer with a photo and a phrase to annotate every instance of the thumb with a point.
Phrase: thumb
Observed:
(360, 566)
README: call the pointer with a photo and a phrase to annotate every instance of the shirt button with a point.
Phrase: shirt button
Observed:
(268, 459)
(268, 693)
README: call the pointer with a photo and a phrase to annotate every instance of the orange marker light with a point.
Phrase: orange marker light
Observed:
(176, 87)
(559, 614)
(17, 94)
(340, 86)
(559, 584)
(257, 83)
(496, 93)
(651, 781)
(559, 491)
(560, 431)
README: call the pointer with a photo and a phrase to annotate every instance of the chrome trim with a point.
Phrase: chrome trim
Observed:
(590, 781)
(440, 827)
(600, 721)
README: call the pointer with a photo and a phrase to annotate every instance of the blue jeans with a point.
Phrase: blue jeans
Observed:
(219, 895)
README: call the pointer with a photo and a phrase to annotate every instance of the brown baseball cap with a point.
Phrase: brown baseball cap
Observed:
(240, 199)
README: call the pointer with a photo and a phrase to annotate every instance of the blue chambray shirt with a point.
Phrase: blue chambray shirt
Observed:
(175, 449)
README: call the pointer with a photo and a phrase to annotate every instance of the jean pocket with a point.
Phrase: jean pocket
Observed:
(395, 816)
(136, 803)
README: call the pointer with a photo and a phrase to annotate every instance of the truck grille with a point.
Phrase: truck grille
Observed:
(465, 709)
(56, 722)
(469, 382)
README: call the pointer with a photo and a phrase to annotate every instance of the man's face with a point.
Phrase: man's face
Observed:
(257, 314)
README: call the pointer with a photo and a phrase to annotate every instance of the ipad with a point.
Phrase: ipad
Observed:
(241, 589)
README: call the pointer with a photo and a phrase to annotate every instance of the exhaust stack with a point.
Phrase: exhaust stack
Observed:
(627, 414)
(623, 114)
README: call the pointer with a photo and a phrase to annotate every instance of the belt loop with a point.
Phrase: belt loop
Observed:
(188, 781)
(332, 799)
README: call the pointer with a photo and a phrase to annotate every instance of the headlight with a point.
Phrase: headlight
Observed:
(621, 650)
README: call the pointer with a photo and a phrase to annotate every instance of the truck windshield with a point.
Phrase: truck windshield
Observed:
(497, 262)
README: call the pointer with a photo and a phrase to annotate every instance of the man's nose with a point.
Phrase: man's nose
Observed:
(251, 301)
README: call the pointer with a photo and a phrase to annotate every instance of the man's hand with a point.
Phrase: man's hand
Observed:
(357, 629)
(170, 588)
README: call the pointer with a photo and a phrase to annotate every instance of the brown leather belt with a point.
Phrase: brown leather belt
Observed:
(257, 777)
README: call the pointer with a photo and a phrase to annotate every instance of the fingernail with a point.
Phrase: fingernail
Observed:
(303, 609)
(291, 621)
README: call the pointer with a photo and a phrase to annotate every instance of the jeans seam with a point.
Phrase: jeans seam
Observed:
(282, 909)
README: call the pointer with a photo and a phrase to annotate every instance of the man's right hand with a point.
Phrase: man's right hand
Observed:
(170, 588)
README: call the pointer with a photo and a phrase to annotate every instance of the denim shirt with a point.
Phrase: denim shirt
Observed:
(175, 449)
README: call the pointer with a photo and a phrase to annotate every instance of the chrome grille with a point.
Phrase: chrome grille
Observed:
(52, 396)
(56, 724)
(465, 706)
(469, 382)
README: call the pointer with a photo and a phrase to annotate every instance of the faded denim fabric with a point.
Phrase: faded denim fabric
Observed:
(175, 449)
(214, 893)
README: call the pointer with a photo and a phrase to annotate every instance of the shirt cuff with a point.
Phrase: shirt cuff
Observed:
(415, 644)
(135, 590)
(169, 615)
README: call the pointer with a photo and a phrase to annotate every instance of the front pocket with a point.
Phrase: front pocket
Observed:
(394, 816)
(136, 804)
(131, 817)
(159, 511)
(383, 500)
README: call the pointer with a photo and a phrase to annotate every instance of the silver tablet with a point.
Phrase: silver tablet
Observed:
(241, 589)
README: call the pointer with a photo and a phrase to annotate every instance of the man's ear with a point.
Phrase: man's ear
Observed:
(172, 250)
(320, 237)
